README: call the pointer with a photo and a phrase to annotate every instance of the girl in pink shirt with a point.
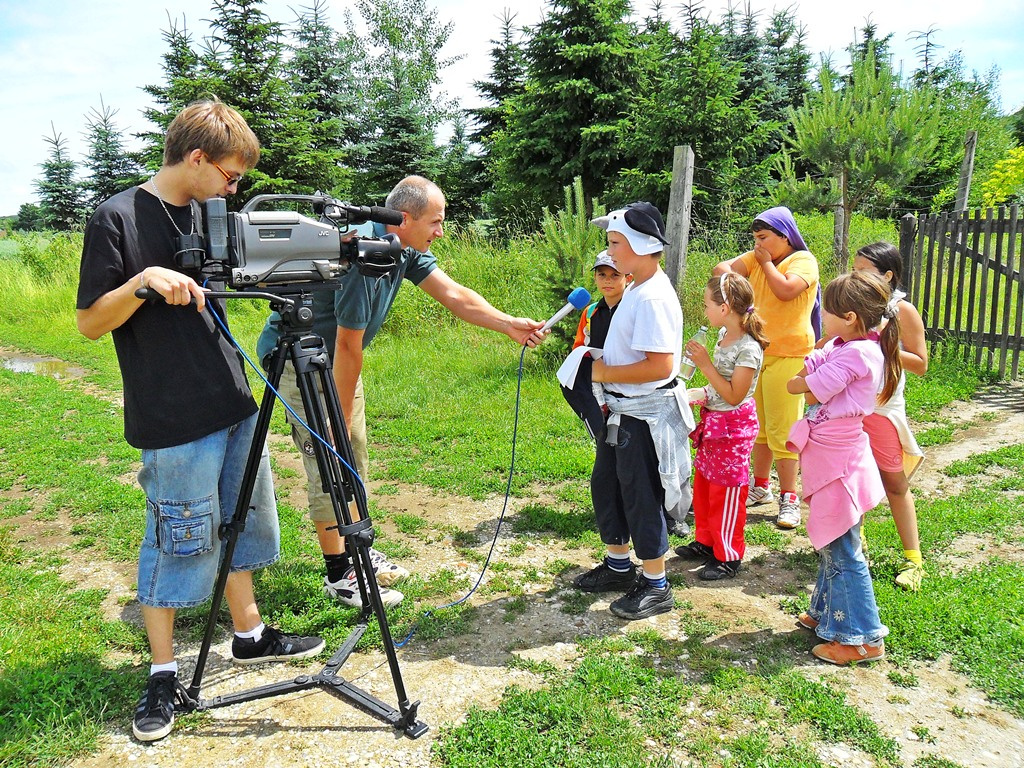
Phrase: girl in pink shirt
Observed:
(840, 478)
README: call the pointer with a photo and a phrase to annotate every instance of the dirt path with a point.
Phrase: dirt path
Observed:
(451, 675)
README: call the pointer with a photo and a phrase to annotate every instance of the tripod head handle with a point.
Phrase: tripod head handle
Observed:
(148, 294)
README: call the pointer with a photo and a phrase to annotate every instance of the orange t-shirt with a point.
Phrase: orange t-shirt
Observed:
(787, 324)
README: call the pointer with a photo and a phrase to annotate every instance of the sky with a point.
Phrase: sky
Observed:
(59, 58)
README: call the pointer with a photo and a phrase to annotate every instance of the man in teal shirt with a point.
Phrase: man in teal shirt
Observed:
(359, 308)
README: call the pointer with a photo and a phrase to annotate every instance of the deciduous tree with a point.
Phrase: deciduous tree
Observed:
(404, 103)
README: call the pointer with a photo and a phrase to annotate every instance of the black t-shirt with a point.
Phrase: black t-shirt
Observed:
(183, 379)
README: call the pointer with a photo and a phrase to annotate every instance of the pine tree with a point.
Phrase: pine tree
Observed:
(691, 94)
(582, 74)
(460, 175)
(247, 50)
(401, 145)
(403, 103)
(183, 85)
(241, 62)
(111, 166)
(786, 54)
(324, 80)
(30, 218)
(60, 196)
(867, 138)
(741, 43)
(508, 73)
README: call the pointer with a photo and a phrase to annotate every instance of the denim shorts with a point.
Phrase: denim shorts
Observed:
(188, 489)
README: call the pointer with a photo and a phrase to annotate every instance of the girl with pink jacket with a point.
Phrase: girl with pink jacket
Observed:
(842, 382)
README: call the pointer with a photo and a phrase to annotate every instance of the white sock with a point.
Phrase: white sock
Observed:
(170, 666)
(253, 634)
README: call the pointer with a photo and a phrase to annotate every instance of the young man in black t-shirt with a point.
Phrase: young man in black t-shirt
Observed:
(187, 404)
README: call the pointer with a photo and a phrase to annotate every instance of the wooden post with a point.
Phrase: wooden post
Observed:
(677, 223)
(963, 189)
(908, 232)
(839, 227)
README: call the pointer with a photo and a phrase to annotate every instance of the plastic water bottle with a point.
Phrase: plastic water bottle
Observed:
(686, 366)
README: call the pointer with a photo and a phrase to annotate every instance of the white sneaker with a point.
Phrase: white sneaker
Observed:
(346, 591)
(757, 496)
(387, 573)
(789, 511)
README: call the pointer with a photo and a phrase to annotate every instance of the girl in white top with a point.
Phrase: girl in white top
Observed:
(892, 443)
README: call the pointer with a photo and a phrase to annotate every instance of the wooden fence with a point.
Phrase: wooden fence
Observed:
(963, 271)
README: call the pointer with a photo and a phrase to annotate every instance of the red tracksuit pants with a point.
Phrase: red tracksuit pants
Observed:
(719, 514)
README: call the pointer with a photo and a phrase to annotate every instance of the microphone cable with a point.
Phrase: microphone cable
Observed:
(508, 484)
(501, 517)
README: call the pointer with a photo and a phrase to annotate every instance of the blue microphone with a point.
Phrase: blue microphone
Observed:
(578, 299)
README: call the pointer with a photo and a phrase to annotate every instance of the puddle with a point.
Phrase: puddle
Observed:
(42, 366)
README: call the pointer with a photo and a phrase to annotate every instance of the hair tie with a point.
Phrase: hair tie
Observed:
(750, 309)
(893, 307)
(721, 287)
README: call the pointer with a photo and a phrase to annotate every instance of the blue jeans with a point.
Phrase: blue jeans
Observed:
(189, 489)
(843, 602)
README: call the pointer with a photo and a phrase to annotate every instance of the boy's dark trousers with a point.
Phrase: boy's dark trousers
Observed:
(626, 490)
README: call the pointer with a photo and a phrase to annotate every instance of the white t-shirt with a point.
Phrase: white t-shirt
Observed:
(648, 319)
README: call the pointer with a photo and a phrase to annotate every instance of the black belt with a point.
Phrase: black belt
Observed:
(671, 385)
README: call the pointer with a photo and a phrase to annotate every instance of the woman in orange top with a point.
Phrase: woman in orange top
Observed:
(784, 276)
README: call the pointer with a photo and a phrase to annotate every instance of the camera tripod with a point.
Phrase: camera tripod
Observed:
(312, 365)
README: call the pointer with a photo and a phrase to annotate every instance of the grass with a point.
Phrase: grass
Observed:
(65, 673)
(630, 702)
(442, 415)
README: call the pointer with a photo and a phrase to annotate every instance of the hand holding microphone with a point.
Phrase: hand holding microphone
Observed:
(578, 299)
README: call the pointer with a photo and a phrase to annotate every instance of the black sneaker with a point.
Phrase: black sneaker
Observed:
(274, 646)
(154, 714)
(695, 551)
(604, 579)
(716, 570)
(643, 600)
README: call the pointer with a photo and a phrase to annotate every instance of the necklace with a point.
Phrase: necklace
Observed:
(191, 211)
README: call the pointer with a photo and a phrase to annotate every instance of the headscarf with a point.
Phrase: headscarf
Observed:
(781, 218)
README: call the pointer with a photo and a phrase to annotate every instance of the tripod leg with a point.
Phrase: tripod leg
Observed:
(313, 373)
(230, 530)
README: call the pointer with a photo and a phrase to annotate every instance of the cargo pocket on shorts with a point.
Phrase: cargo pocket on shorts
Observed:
(184, 528)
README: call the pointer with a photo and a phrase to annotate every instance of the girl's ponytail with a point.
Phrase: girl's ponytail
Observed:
(890, 343)
(753, 324)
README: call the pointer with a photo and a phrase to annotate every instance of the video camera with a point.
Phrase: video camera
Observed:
(258, 248)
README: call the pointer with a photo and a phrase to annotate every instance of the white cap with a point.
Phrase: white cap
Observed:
(642, 225)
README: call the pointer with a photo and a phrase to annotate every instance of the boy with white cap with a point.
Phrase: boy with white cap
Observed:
(642, 466)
